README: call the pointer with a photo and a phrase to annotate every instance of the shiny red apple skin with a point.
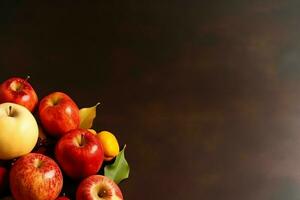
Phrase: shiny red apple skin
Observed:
(58, 114)
(3, 179)
(35, 176)
(79, 153)
(19, 91)
(98, 187)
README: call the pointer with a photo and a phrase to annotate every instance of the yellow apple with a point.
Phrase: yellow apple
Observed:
(18, 131)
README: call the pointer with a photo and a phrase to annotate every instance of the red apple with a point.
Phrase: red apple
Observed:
(19, 91)
(58, 114)
(35, 176)
(3, 179)
(79, 153)
(98, 187)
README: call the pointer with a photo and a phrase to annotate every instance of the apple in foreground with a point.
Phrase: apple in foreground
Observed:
(35, 176)
(98, 187)
(18, 131)
(79, 153)
(19, 91)
(58, 114)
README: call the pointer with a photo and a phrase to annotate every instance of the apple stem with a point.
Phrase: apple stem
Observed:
(9, 110)
(82, 141)
(27, 78)
(97, 104)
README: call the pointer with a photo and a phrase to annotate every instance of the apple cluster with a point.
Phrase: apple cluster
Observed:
(35, 173)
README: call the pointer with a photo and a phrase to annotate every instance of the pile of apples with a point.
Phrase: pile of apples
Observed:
(34, 174)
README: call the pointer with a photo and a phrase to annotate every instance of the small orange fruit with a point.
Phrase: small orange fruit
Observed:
(110, 144)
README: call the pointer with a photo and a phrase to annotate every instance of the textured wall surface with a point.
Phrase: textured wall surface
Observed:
(205, 95)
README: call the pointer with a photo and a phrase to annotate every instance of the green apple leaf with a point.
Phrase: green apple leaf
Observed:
(87, 116)
(119, 170)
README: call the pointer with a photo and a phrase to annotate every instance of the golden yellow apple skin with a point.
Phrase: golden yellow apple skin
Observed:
(18, 131)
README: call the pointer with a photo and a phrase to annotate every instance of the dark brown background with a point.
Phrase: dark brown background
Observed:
(205, 95)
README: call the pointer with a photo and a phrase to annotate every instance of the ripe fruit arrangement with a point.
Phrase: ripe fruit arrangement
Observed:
(49, 151)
